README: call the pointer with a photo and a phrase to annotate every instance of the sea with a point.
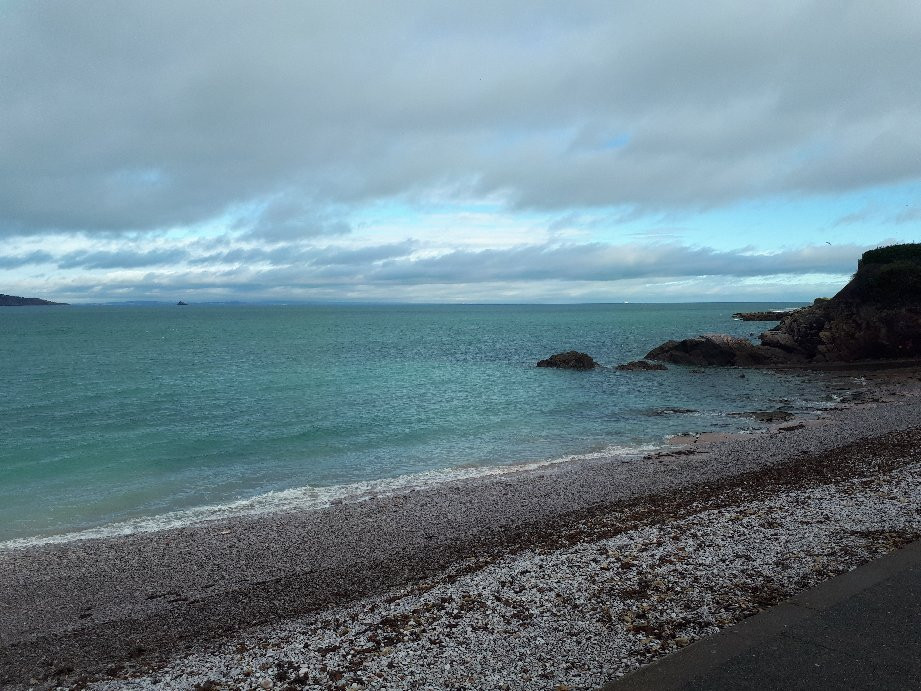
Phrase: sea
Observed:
(117, 419)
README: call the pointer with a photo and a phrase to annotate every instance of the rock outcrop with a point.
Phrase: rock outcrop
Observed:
(714, 349)
(761, 316)
(876, 316)
(569, 360)
(16, 301)
(640, 366)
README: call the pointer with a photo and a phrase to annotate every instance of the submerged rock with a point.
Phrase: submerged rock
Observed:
(640, 365)
(572, 359)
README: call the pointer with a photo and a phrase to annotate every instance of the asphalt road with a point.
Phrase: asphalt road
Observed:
(860, 630)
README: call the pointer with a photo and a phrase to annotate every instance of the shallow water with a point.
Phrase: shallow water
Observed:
(112, 414)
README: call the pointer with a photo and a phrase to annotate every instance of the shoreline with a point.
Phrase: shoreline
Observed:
(122, 607)
(317, 497)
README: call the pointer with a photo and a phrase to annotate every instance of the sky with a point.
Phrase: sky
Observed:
(454, 152)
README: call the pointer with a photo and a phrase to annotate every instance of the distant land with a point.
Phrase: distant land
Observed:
(16, 301)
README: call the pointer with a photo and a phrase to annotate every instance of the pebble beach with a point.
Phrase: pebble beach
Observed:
(562, 577)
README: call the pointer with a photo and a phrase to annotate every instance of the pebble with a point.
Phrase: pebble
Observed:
(607, 627)
(576, 615)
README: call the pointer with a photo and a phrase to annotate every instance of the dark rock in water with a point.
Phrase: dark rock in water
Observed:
(569, 360)
(640, 365)
(761, 316)
(876, 316)
(16, 301)
(711, 349)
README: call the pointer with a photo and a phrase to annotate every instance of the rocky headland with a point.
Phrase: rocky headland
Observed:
(765, 316)
(876, 316)
(16, 301)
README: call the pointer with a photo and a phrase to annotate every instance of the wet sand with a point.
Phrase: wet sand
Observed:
(118, 608)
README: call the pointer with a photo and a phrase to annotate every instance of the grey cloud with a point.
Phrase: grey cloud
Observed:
(660, 234)
(574, 263)
(910, 214)
(293, 253)
(286, 219)
(364, 255)
(860, 216)
(600, 262)
(128, 115)
(285, 254)
(569, 272)
(120, 259)
(879, 214)
(37, 257)
(390, 264)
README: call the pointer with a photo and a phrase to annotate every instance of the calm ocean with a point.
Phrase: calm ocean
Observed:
(145, 416)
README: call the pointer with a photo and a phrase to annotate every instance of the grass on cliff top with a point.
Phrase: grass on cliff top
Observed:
(887, 275)
(910, 252)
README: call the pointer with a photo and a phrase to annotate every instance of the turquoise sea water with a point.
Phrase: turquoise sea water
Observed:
(113, 414)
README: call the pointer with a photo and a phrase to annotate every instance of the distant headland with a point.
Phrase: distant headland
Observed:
(16, 301)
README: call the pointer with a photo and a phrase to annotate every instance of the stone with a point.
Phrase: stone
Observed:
(640, 365)
(569, 360)
(710, 350)
(778, 339)
(760, 316)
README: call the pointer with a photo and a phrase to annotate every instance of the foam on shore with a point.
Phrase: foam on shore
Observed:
(98, 602)
(310, 498)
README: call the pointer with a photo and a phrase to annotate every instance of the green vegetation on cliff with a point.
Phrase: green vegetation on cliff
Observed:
(887, 275)
(893, 253)
(16, 301)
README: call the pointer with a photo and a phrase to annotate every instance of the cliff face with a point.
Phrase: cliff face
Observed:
(16, 301)
(876, 316)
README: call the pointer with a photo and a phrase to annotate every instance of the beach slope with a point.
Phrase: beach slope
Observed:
(591, 565)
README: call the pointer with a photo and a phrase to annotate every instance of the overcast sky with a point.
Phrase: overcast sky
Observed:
(482, 151)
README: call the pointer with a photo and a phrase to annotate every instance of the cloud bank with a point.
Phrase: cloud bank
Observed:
(407, 270)
(348, 151)
(126, 115)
